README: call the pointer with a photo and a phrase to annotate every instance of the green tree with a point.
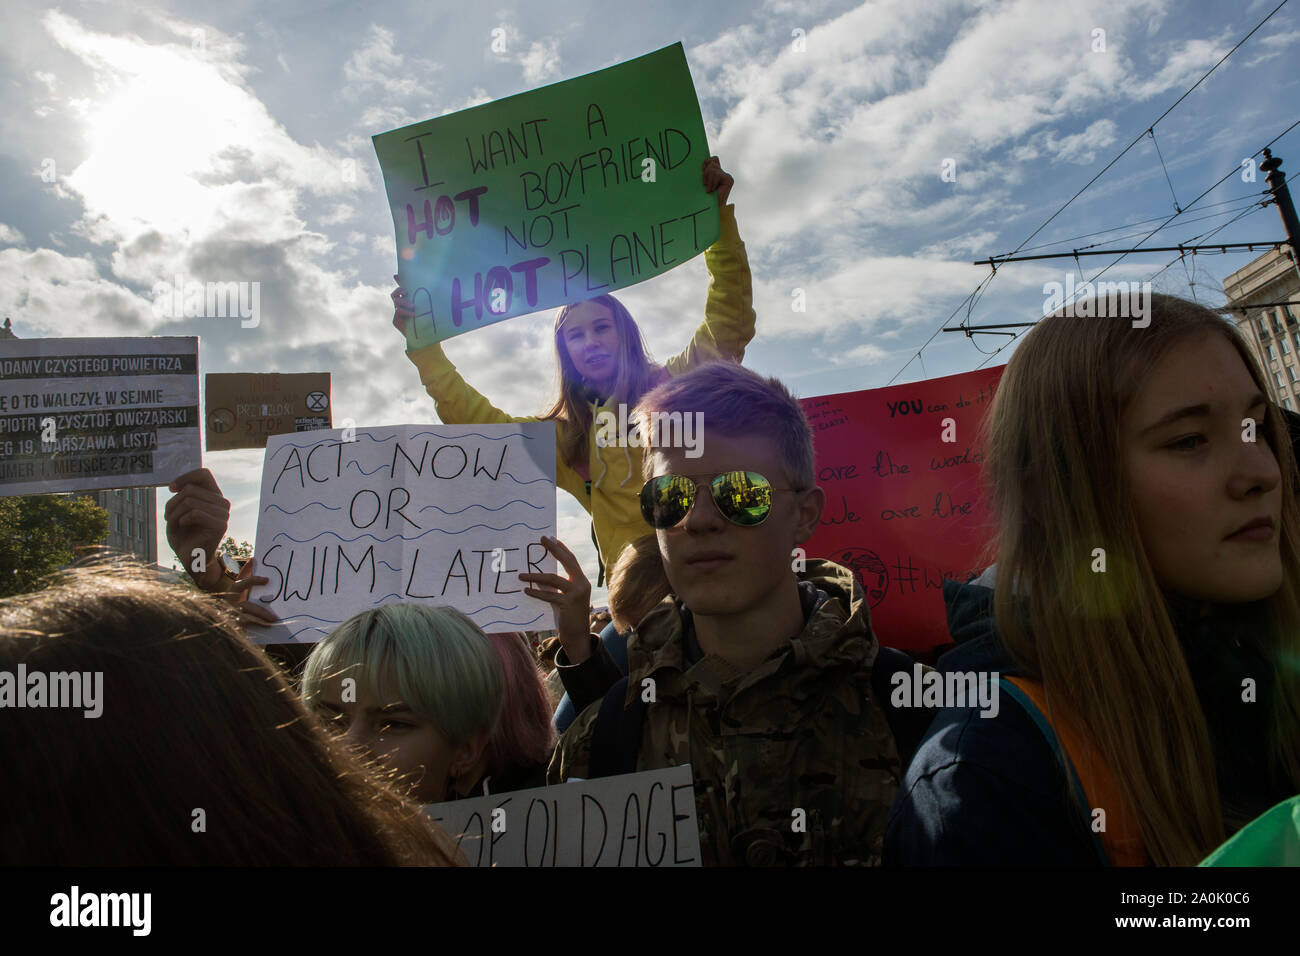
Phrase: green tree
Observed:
(241, 551)
(42, 533)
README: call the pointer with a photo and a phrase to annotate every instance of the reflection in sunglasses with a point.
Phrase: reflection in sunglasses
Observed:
(743, 498)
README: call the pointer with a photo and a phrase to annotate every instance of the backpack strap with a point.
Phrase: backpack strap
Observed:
(1120, 844)
(616, 735)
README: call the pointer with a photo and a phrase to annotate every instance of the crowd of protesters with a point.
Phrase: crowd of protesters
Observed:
(1125, 689)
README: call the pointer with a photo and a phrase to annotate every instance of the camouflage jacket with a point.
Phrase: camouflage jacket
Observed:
(794, 762)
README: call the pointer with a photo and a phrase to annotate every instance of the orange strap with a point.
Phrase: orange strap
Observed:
(1122, 838)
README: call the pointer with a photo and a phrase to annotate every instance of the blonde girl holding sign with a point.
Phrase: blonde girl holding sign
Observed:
(602, 364)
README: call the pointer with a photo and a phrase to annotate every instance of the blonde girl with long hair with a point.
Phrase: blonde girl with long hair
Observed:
(1144, 598)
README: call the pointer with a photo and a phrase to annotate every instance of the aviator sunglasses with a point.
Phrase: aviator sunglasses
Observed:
(742, 497)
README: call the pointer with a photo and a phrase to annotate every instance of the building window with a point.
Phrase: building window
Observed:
(1290, 370)
(1263, 326)
(1272, 356)
(117, 523)
(1276, 375)
(1286, 403)
(128, 517)
(1296, 337)
(139, 530)
(1286, 347)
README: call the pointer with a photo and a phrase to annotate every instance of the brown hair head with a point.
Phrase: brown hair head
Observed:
(193, 718)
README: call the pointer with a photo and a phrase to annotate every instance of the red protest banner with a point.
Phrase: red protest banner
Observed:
(905, 506)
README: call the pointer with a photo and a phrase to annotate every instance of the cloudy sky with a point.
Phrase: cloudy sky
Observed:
(231, 142)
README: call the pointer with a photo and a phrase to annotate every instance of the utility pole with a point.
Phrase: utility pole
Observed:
(1282, 196)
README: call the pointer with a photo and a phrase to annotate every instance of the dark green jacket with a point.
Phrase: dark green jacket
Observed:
(794, 762)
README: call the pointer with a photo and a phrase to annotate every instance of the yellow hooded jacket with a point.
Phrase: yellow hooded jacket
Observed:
(614, 497)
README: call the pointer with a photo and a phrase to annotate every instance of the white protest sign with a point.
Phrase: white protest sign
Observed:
(634, 819)
(350, 519)
(84, 414)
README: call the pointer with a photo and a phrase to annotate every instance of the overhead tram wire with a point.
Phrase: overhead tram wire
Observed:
(1214, 215)
(1253, 208)
(1220, 182)
(1245, 200)
(1249, 204)
(975, 294)
(1206, 235)
(1236, 169)
(1161, 156)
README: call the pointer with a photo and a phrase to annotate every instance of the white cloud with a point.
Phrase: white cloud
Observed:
(1182, 67)
(1273, 46)
(541, 61)
(10, 235)
(965, 245)
(387, 116)
(340, 213)
(58, 295)
(1081, 148)
(861, 355)
(477, 98)
(376, 66)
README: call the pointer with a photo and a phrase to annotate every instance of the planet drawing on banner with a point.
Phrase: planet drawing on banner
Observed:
(868, 569)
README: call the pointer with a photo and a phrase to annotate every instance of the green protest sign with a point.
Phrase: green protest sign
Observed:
(550, 196)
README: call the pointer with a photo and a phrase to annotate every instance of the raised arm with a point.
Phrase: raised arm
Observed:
(729, 310)
(456, 401)
(459, 403)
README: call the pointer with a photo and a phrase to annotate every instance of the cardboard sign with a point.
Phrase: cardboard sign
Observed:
(85, 414)
(905, 507)
(635, 819)
(243, 409)
(350, 519)
(547, 197)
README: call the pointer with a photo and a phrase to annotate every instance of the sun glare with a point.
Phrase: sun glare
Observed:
(156, 138)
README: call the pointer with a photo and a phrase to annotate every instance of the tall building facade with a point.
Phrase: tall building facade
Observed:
(1273, 331)
(132, 522)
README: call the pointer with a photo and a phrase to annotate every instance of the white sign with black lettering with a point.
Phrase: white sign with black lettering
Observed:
(631, 820)
(85, 414)
(353, 518)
